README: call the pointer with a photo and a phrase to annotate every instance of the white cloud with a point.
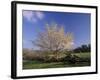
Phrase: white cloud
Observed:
(39, 15)
(28, 15)
(33, 16)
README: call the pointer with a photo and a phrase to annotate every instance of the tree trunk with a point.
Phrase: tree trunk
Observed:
(56, 55)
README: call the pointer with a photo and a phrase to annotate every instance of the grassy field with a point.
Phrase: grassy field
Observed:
(39, 65)
(83, 55)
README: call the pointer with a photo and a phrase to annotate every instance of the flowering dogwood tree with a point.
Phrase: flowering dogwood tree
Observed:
(54, 39)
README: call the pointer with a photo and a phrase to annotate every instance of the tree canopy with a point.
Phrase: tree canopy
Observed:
(54, 39)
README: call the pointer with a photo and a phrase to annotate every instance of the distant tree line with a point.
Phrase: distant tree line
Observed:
(82, 48)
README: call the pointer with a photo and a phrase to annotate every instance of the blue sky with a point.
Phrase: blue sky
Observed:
(76, 23)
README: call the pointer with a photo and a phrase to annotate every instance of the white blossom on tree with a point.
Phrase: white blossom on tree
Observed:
(54, 39)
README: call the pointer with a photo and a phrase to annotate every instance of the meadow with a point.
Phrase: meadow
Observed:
(79, 60)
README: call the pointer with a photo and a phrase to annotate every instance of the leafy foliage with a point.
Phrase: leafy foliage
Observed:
(83, 48)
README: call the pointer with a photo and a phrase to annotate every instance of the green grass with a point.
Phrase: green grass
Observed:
(83, 55)
(38, 64)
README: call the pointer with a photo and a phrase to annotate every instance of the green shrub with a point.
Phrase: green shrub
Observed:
(71, 59)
